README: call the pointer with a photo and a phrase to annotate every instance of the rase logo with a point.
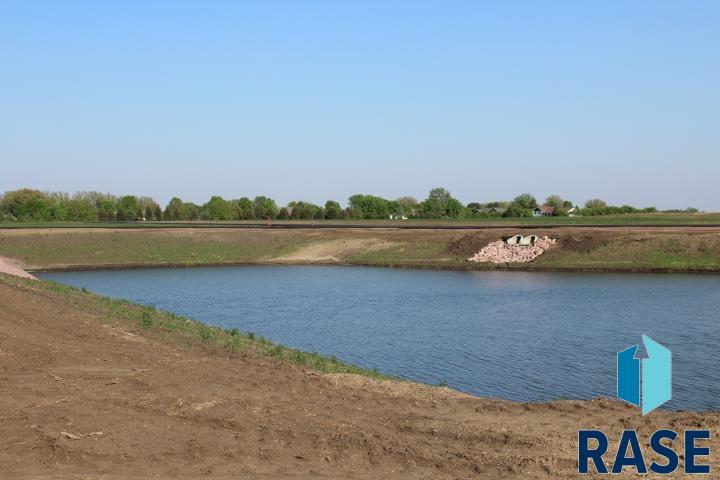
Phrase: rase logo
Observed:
(646, 384)
(656, 383)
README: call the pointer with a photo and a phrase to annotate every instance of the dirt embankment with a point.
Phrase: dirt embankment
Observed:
(567, 241)
(9, 267)
(85, 396)
(663, 249)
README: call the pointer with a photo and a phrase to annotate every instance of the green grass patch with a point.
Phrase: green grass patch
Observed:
(144, 247)
(146, 320)
(659, 252)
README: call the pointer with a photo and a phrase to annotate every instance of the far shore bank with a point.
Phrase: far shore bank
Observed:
(617, 250)
(468, 268)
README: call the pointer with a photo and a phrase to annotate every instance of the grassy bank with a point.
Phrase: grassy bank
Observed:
(614, 249)
(182, 330)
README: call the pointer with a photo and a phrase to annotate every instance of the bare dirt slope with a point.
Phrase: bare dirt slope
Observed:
(11, 268)
(333, 251)
(85, 397)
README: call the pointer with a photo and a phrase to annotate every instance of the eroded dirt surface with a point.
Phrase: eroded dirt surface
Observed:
(333, 251)
(82, 396)
(9, 267)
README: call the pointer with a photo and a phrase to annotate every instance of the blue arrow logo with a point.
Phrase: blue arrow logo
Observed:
(652, 376)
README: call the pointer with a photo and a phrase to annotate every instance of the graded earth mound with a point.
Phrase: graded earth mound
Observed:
(88, 394)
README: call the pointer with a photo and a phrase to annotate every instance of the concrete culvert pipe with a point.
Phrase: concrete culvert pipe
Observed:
(514, 240)
(529, 240)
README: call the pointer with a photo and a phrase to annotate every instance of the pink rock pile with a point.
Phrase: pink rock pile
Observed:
(501, 252)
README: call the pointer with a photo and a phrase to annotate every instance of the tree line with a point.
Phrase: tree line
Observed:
(34, 205)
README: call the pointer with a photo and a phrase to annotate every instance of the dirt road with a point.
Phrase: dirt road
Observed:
(83, 396)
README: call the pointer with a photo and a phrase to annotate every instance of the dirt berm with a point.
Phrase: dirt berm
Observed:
(84, 396)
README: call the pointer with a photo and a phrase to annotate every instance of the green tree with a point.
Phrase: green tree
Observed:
(308, 212)
(283, 214)
(369, 206)
(80, 210)
(129, 208)
(595, 203)
(217, 208)
(526, 201)
(297, 210)
(409, 205)
(265, 207)
(332, 209)
(149, 208)
(440, 203)
(107, 211)
(176, 210)
(28, 204)
(247, 207)
(516, 209)
(454, 208)
(351, 212)
(554, 201)
(193, 210)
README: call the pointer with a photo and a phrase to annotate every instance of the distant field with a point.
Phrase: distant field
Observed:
(644, 248)
(649, 219)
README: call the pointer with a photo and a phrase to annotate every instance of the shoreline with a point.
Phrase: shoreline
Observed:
(470, 268)
(268, 345)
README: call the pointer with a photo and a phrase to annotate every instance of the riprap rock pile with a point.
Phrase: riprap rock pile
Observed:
(501, 252)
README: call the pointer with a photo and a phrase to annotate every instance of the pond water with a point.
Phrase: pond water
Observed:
(525, 336)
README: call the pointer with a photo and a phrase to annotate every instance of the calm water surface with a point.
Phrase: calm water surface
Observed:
(520, 336)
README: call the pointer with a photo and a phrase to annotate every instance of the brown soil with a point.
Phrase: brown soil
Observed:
(568, 240)
(85, 397)
(471, 243)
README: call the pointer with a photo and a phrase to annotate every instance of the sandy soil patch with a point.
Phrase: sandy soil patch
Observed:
(335, 250)
(12, 268)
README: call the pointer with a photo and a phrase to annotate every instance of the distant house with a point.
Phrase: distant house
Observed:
(544, 211)
(394, 216)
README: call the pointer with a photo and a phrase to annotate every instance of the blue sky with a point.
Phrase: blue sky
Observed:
(315, 100)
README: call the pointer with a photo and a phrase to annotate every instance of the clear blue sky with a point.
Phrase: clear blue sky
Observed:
(315, 100)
